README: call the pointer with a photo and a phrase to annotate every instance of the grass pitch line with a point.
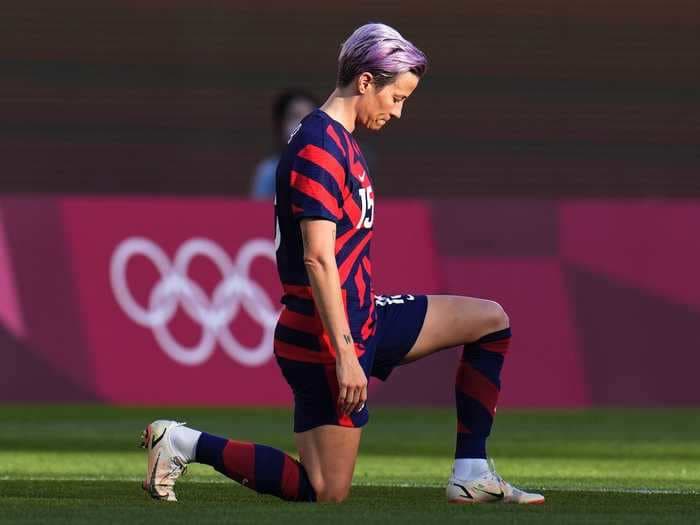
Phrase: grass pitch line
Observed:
(595, 490)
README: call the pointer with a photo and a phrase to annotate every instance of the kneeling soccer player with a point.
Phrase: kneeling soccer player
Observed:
(334, 332)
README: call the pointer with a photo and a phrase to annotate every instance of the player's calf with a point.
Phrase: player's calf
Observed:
(477, 386)
(261, 468)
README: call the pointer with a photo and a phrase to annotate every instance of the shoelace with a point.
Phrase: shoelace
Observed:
(505, 486)
(492, 468)
(177, 468)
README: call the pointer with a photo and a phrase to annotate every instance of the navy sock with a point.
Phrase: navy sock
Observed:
(476, 392)
(261, 468)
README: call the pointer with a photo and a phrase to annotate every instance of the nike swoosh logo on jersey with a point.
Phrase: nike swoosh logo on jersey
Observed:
(362, 177)
(155, 441)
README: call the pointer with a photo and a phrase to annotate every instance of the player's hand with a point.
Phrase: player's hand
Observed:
(352, 382)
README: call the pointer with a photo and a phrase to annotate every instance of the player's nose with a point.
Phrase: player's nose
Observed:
(396, 113)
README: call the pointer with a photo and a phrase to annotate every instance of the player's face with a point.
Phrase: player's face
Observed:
(377, 106)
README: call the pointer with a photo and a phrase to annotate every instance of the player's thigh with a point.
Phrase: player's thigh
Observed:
(452, 320)
(328, 453)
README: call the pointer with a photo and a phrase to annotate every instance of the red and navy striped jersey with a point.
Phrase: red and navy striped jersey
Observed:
(322, 174)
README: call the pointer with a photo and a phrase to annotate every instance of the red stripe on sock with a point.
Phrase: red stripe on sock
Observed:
(239, 461)
(290, 479)
(474, 384)
(500, 347)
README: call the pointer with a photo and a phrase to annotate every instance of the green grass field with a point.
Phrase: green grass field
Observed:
(82, 465)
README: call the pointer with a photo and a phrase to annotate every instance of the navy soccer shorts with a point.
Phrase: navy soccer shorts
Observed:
(315, 386)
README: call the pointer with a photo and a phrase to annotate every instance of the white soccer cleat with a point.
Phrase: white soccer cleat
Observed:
(488, 488)
(164, 465)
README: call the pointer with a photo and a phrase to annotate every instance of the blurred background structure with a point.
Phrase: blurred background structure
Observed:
(549, 160)
(538, 98)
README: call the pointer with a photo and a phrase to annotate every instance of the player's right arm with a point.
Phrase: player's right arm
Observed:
(319, 260)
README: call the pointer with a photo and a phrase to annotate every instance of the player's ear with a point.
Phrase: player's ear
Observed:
(364, 81)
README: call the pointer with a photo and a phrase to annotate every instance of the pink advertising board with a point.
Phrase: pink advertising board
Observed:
(139, 300)
(179, 298)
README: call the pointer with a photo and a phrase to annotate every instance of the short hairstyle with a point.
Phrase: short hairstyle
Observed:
(380, 50)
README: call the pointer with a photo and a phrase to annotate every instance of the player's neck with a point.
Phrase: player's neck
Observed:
(341, 107)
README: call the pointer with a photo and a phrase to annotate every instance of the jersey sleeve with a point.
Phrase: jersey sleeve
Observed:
(317, 181)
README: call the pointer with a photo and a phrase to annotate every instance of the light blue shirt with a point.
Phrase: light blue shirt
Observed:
(264, 179)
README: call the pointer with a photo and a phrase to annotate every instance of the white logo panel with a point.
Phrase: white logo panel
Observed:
(236, 291)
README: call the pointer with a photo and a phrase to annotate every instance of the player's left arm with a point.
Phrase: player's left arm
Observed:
(319, 259)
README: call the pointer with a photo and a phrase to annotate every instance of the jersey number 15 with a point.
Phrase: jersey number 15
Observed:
(367, 215)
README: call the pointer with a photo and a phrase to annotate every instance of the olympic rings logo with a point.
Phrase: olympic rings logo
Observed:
(175, 288)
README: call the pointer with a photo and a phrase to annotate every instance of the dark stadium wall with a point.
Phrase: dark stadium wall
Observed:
(543, 98)
(98, 295)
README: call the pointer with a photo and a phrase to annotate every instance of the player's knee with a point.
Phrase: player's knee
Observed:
(318, 486)
(495, 317)
(336, 497)
(333, 494)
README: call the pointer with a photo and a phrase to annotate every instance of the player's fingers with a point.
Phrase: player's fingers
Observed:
(355, 401)
(363, 395)
(347, 401)
(347, 406)
(363, 399)
(343, 402)
(342, 395)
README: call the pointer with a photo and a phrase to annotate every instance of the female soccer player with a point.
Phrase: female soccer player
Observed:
(334, 332)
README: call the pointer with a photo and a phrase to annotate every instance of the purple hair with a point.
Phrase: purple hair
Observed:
(380, 50)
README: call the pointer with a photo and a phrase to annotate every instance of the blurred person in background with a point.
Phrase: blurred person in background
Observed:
(289, 108)
(334, 332)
